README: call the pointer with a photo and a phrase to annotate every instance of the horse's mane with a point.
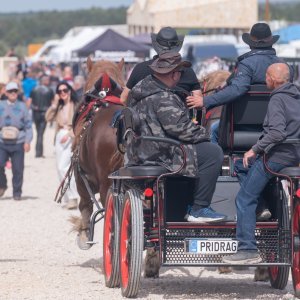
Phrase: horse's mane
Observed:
(215, 79)
(99, 68)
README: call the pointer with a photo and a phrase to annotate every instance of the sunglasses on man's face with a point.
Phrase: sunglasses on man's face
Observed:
(62, 91)
(12, 91)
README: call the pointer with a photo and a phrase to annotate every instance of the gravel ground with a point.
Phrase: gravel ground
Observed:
(40, 260)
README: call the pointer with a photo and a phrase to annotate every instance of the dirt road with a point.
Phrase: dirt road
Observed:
(40, 260)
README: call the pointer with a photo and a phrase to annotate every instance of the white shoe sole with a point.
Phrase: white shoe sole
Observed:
(254, 260)
(266, 215)
(205, 220)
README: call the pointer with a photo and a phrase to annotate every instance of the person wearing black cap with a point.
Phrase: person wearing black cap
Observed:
(166, 40)
(15, 138)
(251, 68)
(162, 113)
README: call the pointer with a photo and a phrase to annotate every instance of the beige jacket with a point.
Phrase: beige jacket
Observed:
(61, 123)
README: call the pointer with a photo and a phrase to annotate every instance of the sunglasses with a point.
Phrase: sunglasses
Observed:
(12, 91)
(62, 91)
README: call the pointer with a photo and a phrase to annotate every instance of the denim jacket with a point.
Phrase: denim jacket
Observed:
(251, 69)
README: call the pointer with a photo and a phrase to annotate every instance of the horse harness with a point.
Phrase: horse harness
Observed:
(94, 100)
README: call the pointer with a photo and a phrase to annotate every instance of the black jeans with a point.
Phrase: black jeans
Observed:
(210, 159)
(16, 153)
(40, 124)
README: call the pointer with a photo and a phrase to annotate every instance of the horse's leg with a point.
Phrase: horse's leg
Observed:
(152, 264)
(81, 225)
(103, 189)
(261, 274)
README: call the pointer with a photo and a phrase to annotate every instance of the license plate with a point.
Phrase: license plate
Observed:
(210, 246)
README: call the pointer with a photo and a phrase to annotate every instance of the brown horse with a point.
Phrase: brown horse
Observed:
(95, 148)
(211, 83)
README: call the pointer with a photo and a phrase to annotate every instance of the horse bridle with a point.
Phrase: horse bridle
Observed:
(205, 92)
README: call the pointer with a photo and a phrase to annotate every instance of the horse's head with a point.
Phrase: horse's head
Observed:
(105, 75)
(214, 81)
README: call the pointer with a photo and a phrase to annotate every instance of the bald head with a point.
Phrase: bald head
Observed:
(277, 75)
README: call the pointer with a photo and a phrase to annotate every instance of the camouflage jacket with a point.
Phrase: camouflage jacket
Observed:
(163, 114)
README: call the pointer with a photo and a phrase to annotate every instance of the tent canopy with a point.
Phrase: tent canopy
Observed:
(288, 34)
(111, 41)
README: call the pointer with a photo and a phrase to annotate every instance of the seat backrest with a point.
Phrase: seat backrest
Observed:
(241, 121)
(128, 122)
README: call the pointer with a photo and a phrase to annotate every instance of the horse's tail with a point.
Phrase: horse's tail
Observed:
(65, 183)
(77, 224)
(117, 160)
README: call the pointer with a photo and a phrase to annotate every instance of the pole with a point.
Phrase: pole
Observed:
(267, 12)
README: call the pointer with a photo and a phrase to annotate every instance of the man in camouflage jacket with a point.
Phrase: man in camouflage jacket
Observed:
(163, 114)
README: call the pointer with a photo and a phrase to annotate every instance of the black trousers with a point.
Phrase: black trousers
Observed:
(16, 153)
(40, 124)
(210, 159)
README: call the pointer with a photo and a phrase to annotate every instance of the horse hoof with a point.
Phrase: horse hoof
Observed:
(152, 264)
(81, 241)
(224, 270)
(261, 274)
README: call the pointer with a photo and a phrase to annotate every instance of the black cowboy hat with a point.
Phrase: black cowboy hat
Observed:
(260, 36)
(168, 62)
(166, 40)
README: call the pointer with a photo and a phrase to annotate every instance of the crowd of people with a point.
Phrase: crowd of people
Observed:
(162, 90)
(34, 96)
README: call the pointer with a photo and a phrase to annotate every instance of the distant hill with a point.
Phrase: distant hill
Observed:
(20, 29)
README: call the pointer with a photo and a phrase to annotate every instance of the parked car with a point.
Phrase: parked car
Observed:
(210, 56)
(202, 51)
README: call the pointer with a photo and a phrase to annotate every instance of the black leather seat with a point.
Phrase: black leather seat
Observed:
(142, 171)
(241, 121)
(291, 171)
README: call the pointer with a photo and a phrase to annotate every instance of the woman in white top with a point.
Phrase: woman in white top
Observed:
(62, 111)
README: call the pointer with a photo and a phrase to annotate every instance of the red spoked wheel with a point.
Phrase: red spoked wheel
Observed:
(279, 275)
(296, 252)
(111, 242)
(131, 244)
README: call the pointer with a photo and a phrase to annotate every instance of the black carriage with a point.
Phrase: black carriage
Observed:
(146, 207)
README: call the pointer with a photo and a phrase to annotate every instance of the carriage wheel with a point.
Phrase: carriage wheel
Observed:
(111, 243)
(131, 244)
(279, 275)
(296, 253)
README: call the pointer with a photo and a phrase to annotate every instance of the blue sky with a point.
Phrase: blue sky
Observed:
(38, 5)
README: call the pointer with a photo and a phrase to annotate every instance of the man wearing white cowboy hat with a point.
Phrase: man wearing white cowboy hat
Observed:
(166, 40)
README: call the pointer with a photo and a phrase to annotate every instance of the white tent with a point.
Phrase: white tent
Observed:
(78, 37)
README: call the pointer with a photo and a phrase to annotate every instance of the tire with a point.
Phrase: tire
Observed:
(279, 275)
(111, 242)
(296, 254)
(131, 244)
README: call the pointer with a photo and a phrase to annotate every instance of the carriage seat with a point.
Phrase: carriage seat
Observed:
(142, 171)
(291, 171)
(128, 128)
(241, 121)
